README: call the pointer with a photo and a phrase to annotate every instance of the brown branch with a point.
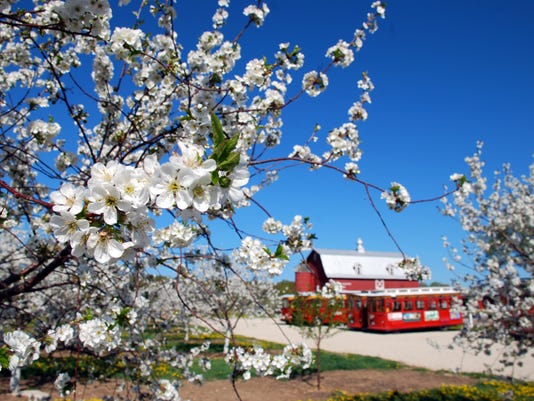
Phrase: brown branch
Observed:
(20, 195)
(384, 224)
(27, 285)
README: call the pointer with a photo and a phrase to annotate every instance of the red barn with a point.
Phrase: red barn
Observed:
(354, 270)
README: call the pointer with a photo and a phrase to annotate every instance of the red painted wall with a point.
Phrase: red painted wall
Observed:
(358, 285)
(305, 282)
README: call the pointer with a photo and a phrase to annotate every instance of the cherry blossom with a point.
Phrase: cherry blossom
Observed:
(397, 198)
(123, 148)
(497, 249)
(314, 83)
(24, 347)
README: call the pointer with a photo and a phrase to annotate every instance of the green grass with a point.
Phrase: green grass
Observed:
(333, 361)
(329, 361)
(86, 366)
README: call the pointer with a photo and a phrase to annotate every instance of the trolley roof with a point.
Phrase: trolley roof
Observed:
(395, 292)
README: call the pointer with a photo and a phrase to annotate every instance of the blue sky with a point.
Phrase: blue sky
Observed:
(447, 73)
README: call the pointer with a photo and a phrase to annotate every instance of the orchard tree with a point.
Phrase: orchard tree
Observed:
(498, 251)
(119, 149)
(318, 315)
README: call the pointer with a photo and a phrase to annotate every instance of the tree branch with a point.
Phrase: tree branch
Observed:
(27, 285)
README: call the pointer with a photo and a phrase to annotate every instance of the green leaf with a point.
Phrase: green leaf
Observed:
(224, 150)
(188, 116)
(223, 153)
(215, 177)
(225, 182)
(4, 358)
(218, 133)
(88, 315)
(280, 253)
(230, 162)
(122, 318)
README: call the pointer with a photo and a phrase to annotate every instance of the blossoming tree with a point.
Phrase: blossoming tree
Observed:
(317, 316)
(498, 250)
(119, 149)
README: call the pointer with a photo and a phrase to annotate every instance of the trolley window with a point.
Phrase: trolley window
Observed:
(380, 305)
(444, 303)
(408, 304)
(432, 304)
(397, 306)
(420, 303)
(355, 303)
(351, 303)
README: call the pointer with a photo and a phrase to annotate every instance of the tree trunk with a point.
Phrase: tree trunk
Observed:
(318, 346)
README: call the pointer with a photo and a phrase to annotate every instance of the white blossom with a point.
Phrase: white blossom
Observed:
(145, 147)
(344, 140)
(252, 253)
(126, 41)
(257, 14)
(314, 83)
(103, 247)
(66, 226)
(106, 200)
(167, 391)
(341, 54)
(69, 198)
(272, 226)
(99, 335)
(497, 246)
(24, 347)
(351, 169)
(397, 198)
(61, 383)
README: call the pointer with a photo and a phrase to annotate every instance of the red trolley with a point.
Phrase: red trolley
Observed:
(403, 309)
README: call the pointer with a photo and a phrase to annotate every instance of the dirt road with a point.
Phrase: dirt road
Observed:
(429, 349)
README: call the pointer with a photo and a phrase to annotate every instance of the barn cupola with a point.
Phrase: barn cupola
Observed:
(359, 246)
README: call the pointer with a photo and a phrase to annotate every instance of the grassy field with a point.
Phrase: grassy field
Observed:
(84, 366)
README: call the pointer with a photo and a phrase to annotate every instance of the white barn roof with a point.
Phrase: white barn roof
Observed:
(359, 264)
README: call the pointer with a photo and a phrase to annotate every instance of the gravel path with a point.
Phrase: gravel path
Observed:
(428, 349)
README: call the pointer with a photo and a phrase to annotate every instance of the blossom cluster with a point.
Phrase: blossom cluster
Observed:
(25, 349)
(414, 269)
(331, 289)
(498, 248)
(111, 215)
(99, 336)
(257, 14)
(155, 130)
(95, 334)
(167, 391)
(255, 359)
(397, 198)
(256, 256)
(314, 83)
